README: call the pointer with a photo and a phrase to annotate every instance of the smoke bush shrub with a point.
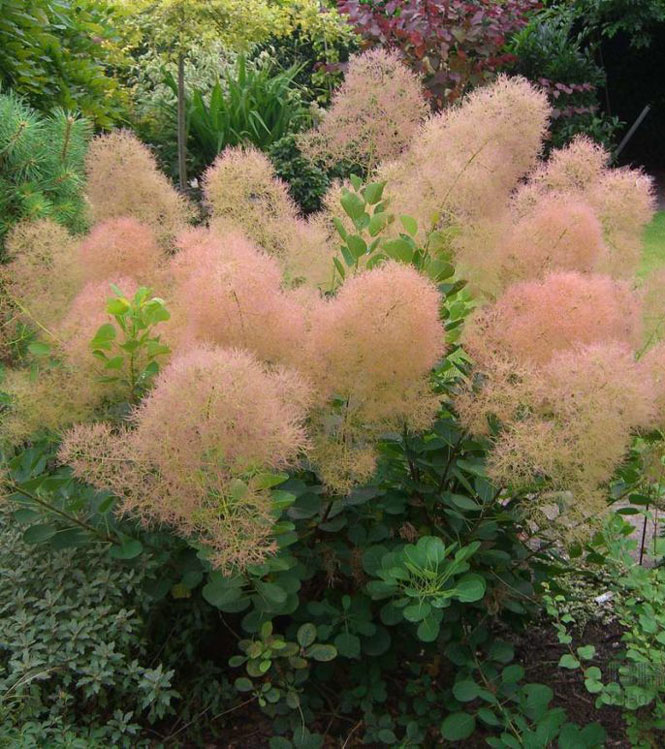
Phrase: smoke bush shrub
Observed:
(344, 469)
(366, 352)
(251, 309)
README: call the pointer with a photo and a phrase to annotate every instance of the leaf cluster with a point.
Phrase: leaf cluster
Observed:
(57, 53)
(452, 44)
(129, 350)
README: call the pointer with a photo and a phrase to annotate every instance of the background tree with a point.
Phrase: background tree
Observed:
(58, 52)
(174, 27)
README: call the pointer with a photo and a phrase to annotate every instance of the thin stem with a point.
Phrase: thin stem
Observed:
(82, 524)
(65, 143)
(644, 535)
(182, 125)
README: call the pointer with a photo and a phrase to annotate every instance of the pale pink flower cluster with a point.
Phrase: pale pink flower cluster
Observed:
(198, 453)
(242, 191)
(556, 235)
(120, 246)
(43, 275)
(575, 426)
(227, 292)
(373, 116)
(622, 199)
(372, 346)
(533, 320)
(266, 370)
(466, 160)
(123, 180)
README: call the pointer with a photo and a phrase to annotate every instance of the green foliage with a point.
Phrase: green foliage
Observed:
(490, 690)
(307, 182)
(633, 679)
(319, 53)
(431, 254)
(132, 359)
(422, 581)
(277, 670)
(41, 165)
(252, 104)
(550, 51)
(74, 657)
(637, 19)
(57, 53)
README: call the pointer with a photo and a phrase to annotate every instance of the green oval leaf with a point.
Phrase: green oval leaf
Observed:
(458, 726)
(306, 635)
(39, 533)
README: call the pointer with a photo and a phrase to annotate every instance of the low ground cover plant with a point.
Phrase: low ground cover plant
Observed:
(365, 438)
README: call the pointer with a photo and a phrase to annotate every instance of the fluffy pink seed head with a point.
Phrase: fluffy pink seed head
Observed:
(380, 334)
(574, 426)
(535, 319)
(372, 346)
(599, 389)
(241, 187)
(556, 235)
(85, 316)
(216, 421)
(227, 292)
(42, 275)
(123, 180)
(594, 399)
(51, 399)
(120, 246)
(572, 169)
(624, 202)
(466, 160)
(373, 116)
(221, 411)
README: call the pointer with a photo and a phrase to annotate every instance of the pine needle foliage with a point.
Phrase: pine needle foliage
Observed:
(41, 166)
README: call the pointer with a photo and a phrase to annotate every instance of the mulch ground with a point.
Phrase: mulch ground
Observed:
(538, 651)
